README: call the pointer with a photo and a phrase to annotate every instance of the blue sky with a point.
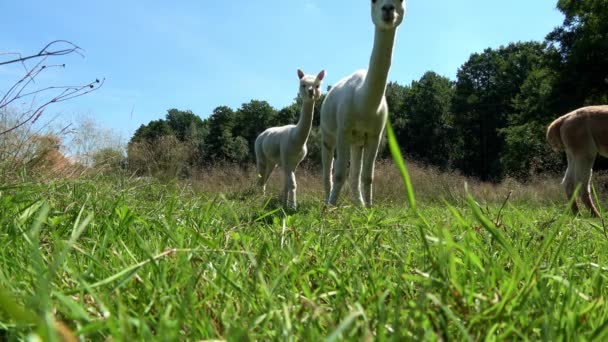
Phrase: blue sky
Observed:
(200, 54)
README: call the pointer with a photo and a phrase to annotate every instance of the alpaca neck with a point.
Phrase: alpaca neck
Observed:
(302, 129)
(372, 91)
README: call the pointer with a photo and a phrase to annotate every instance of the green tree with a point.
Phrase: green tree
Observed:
(485, 89)
(428, 134)
(187, 128)
(526, 151)
(582, 42)
(191, 130)
(251, 120)
(152, 131)
(185, 125)
(573, 75)
(395, 99)
(221, 144)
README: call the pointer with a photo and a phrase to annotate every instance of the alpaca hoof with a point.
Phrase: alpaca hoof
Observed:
(329, 204)
(291, 205)
(358, 201)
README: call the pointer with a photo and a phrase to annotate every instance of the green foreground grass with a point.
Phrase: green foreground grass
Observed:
(127, 259)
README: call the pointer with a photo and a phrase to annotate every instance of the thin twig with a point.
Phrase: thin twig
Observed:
(18, 90)
(64, 96)
(73, 48)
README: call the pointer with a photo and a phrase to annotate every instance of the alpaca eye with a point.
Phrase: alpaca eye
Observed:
(317, 86)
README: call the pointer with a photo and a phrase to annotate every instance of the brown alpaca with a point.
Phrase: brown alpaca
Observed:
(582, 133)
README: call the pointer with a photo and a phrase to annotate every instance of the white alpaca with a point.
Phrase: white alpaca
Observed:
(353, 115)
(286, 145)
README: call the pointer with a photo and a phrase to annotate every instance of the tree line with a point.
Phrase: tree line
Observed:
(489, 123)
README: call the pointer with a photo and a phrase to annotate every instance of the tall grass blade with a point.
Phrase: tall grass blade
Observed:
(488, 225)
(346, 322)
(129, 271)
(15, 311)
(400, 163)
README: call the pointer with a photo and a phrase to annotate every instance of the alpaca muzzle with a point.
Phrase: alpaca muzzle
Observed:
(388, 13)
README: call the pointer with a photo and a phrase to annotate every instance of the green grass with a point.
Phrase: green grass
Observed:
(120, 259)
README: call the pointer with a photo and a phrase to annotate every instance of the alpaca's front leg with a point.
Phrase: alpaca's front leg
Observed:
(290, 188)
(583, 170)
(355, 174)
(367, 173)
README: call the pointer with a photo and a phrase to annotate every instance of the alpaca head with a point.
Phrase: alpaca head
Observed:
(310, 86)
(387, 14)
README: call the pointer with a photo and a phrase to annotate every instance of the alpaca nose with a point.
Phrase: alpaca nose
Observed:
(388, 8)
(388, 12)
(310, 92)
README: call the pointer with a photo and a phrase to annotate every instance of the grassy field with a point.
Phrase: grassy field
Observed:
(119, 258)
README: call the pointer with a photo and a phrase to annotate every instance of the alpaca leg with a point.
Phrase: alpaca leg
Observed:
(327, 159)
(343, 155)
(355, 174)
(264, 173)
(583, 173)
(262, 164)
(367, 173)
(290, 189)
(261, 172)
(569, 183)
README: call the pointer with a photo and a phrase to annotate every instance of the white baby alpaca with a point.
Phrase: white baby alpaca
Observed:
(286, 145)
(354, 112)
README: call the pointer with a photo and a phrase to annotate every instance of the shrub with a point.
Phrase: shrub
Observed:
(165, 157)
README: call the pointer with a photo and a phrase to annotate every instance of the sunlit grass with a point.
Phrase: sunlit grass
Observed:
(122, 258)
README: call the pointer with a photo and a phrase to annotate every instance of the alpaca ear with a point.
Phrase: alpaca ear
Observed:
(321, 75)
(300, 74)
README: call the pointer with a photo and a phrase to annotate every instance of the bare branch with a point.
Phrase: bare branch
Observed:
(54, 94)
(67, 94)
(29, 76)
(45, 52)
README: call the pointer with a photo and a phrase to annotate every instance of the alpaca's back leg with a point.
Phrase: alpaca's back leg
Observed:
(569, 183)
(260, 160)
(340, 171)
(269, 168)
(264, 168)
(583, 170)
(290, 188)
(261, 168)
(370, 152)
(356, 152)
(327, 161)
